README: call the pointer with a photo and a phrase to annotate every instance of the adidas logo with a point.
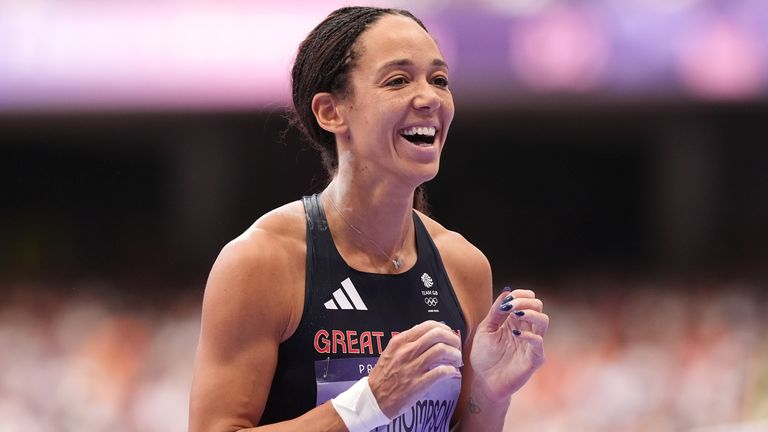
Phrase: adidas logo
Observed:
(342, 301)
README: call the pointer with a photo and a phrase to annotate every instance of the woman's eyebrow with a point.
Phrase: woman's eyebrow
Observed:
(407, 62)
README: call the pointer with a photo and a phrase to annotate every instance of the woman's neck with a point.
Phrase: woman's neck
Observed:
(370, 216)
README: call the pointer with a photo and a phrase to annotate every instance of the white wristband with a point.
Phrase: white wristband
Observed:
(358, 408)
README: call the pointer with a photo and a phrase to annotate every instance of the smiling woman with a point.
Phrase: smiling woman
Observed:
(399, 87)
(372, 314)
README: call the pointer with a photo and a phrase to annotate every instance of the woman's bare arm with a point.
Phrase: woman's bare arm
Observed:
(253, 301)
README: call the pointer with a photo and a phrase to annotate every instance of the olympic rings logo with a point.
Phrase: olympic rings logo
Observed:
(430, 301)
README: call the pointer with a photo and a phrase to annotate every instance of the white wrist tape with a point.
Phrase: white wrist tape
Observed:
(358, 408)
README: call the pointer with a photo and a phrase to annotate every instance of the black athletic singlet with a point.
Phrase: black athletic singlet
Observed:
(349, 317)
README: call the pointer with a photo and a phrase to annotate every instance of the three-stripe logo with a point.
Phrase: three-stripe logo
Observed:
(342, 301)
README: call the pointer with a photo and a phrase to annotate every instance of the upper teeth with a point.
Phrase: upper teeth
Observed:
(427, 131)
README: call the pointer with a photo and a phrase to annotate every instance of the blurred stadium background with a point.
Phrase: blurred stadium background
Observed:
(612, 155)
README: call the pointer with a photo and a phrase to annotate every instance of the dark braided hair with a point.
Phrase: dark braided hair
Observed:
(322, 64)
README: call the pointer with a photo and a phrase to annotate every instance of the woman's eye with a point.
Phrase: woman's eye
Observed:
(398, 81)
(441, 81)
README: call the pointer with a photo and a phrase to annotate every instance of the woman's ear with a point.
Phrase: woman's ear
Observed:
(325, 108)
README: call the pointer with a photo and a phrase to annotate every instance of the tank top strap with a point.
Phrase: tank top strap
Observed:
(319, 240)
(315, 215)
(426, 247)
(423, 241)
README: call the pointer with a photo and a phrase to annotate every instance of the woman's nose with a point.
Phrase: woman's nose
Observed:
(427, 98)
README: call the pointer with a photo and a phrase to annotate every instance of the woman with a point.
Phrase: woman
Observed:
(300, 308)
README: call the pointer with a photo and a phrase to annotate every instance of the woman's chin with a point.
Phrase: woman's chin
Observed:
(419, 173)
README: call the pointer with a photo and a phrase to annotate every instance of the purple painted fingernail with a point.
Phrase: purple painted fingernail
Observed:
(506, 307)
(508, 299)
(516, 332)
(519, 313)
(507, 289)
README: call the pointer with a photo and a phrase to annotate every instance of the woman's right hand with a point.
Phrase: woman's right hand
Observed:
(413, 361)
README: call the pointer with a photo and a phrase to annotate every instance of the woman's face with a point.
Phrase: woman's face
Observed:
(400, 108)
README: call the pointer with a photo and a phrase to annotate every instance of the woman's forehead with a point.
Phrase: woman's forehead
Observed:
(397, 39)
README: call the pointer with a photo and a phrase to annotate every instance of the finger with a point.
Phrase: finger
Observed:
(437, 335)
(523, 293)
(499, 311)
(441, 354)
(519, 306)
(439, 373)
(525, 299)
(535, 341)
(538, 321)
(527, 303)
(418, 331)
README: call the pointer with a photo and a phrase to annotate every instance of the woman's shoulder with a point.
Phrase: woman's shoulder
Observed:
(280, 230)
(269, 254)
(276, 239)
(285, 224)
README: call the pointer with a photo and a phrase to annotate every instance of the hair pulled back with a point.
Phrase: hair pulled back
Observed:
(323, 63)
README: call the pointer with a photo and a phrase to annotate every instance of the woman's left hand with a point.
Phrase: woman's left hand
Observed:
(508, 346)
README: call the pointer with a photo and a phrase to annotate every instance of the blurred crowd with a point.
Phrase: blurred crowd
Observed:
(620, 357)
(82, 360)
(651, 357)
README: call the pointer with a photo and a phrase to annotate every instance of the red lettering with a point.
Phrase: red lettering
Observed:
(349, 342)
(322, 337)
(366, 342)
(338, 341)
(352, 341)
(378, 336)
